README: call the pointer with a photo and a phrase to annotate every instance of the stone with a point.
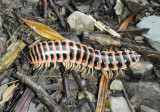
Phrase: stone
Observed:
(138, 38)
(1, 22)
(136, 5)
(157, 71)
(121, 10)
(32, 1)
(143, 93)
(142, 72)
(79, 21)
(90, 96)
(82, 106)
(116, 85)
(119, 104)
(144, 108)
(153, 35)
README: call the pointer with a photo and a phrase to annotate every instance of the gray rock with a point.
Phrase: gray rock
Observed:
(144, 93)
(12, 3)
(78, 21)
(144, 108)
(32, 1)
(138, 38)
(139, 73)
(153, 35)
(1, 21)
(82, 106)
(157, 72)
(119, 104)
(136, 5)
(116, 85)
(6, 80)
(121, 10)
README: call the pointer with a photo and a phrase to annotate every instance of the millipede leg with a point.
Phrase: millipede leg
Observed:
(41, 66)
(78, 67)
(110, 73)
(89, 71)
(83, 67)
(117, 73)
(121, 72)
(105, 74)
(54, 65)
(73, 66)
(70, 65)
(83, 74)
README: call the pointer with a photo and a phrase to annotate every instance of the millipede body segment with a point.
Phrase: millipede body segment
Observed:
(81, 58)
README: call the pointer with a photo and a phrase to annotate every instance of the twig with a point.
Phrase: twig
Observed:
(68, 7)
(133, 30)
(128, 102)
(58, 14)
(39, 91)
(3, 75)
(44, 9)
(84, 91)
(23, 100)
(39, 106)
(14, 33)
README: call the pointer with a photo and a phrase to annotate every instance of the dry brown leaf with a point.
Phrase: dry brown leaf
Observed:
(7, 94)
(12, 52)
(43, 30)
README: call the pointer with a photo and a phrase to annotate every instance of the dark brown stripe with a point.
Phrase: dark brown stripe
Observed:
(58, 53)
(64, 48)
(45, 50)
(132, 56)
(103, 60)
(126, 58)
(85, 53)
(79, 50)
(71, 49)
(110, 60)
(90, 56)
(118, 59)
(51, 50)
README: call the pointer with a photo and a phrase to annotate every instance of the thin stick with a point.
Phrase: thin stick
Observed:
(102, 94)
(58, 14)
(84, 91)
(39, 91)
(45, 9)
(128, 102)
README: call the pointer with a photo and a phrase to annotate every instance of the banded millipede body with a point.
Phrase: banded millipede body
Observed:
(80, 57)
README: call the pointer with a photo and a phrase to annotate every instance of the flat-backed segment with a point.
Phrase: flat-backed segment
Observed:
(59, 51)
(79, 53)
(65, 48)
(52, 49)
(72, 51)
(97, 61)
(104, 60)
(91, 57)
(85, 55)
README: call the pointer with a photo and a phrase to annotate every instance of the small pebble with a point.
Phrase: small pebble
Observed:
(119, 104)
(2, 48)
(138, 38)
(79, 21)
(116, 85)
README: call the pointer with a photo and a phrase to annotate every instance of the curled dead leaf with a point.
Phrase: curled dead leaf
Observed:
(7, 94)
(43, 30)
(12, 52)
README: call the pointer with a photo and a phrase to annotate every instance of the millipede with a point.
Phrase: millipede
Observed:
(80, 58)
